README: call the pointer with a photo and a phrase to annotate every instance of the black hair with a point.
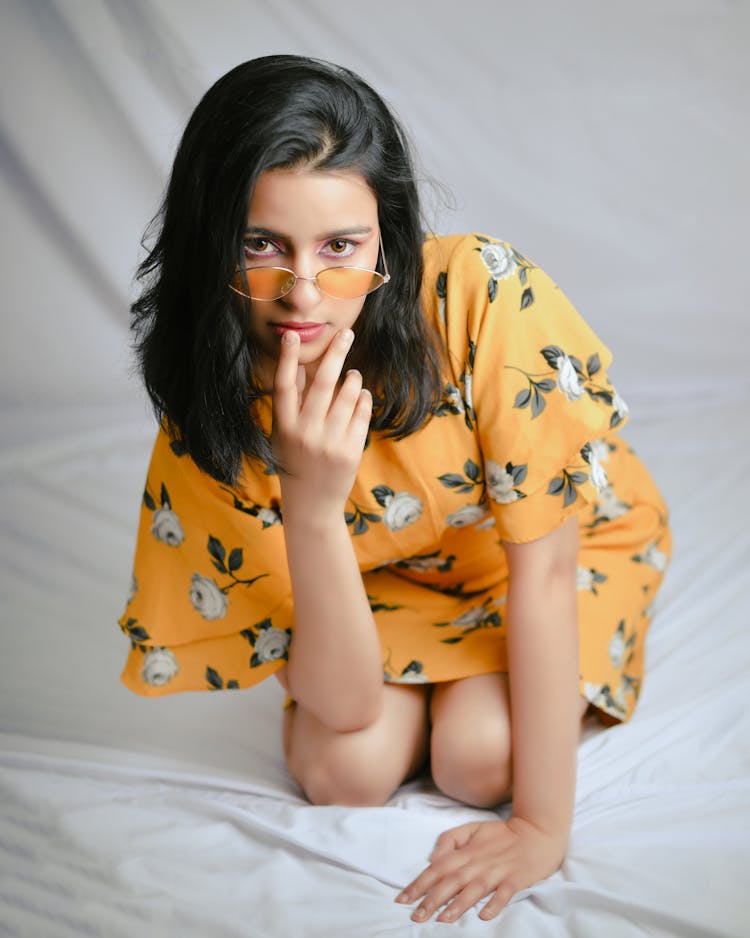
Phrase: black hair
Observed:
(197, 359)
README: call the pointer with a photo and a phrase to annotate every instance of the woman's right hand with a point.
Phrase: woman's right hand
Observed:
(318, 433)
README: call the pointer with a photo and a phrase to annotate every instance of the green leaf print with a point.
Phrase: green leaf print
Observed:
(452, 480)
(213, 679)
(471, 469)
(216, 549)
(565, 485)
(235, 559)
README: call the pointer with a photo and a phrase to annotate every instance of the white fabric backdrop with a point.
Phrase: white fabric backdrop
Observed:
(609, 144)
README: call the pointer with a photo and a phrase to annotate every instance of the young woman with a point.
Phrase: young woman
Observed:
(388, 472)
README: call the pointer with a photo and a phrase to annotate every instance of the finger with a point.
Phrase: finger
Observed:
(454, 839)
(321, 391)
(419, 886)
(285, 394)
(465, 899)
(446, 889)
(503, 894)
(359, 426)
(301, 380)
(344, 403)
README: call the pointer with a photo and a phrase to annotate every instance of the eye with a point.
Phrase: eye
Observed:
(340, 247)
(260, 247)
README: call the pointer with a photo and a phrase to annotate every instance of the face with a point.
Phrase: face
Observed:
(307, 220)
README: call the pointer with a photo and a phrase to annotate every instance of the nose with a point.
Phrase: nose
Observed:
(305, 294)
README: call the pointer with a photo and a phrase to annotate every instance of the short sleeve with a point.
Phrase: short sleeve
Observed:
(209, 576)
(537, 381)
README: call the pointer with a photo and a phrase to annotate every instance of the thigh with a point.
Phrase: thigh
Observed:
(364, 766)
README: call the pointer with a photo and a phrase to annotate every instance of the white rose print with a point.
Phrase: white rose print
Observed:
(159, 667)
(573, 380)
(269, 516)
(466, 379)
(467, 515)
(587, 579)
(600, 449)
(413, 673)
(165, 525)
(500, 483)
(609, 506)
(597, 473)
(272, 643)
(269, 643)
(621, 408)
(478, 617)
(401, 508)
(617, 646)
(568, 380)
(499, 261)
(207, 597)
(653, 557)
(427, 563)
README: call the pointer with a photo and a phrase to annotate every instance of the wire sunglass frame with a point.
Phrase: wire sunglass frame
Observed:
(385, 278)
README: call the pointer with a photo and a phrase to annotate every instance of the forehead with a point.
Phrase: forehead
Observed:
(302, 202)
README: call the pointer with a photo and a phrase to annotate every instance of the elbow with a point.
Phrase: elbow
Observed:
(340, 712)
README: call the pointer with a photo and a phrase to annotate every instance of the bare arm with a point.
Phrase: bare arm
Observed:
(500, 857)
(335, 667)
(543, 654)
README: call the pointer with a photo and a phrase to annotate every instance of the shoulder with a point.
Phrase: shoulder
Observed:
(474, 267)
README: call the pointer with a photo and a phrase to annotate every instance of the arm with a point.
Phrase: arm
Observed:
(543, 654)
(335, 667)
(478, 859)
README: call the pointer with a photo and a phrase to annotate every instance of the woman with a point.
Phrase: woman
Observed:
(388, 472)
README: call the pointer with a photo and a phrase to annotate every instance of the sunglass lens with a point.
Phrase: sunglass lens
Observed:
(346, 283)
(264, 283)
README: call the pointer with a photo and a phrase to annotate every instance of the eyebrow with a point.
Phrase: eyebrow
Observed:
(341, 233)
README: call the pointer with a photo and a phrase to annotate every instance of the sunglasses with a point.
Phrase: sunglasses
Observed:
(343, 283)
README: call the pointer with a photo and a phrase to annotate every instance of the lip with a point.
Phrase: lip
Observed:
(307, 331)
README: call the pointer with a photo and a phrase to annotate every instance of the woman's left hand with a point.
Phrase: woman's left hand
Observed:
(474, 860)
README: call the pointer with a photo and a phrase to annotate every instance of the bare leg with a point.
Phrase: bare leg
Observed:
(363, 767)
(471, 754)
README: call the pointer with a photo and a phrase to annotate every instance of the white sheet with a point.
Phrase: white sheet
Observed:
(609, 145)
(179, 812)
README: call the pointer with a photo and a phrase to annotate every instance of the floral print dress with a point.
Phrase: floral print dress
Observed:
(526, 434)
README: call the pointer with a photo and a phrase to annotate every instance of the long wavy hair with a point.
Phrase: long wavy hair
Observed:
(195, 353)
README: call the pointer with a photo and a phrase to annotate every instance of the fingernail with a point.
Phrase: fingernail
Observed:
(346, 336)
(290, 337)
(402, 897)
(419, 915)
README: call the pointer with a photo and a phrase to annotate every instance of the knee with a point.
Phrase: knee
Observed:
(327, 782)
(475, 771)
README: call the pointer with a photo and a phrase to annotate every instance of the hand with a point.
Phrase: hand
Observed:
(474, 860)
(318, 437)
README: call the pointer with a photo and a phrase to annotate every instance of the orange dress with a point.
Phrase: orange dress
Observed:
(527, 433)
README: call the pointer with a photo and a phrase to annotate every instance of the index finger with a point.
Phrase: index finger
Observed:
(285, 393)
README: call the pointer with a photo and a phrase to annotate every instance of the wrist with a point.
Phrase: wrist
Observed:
(557, 831)
(317, 515)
